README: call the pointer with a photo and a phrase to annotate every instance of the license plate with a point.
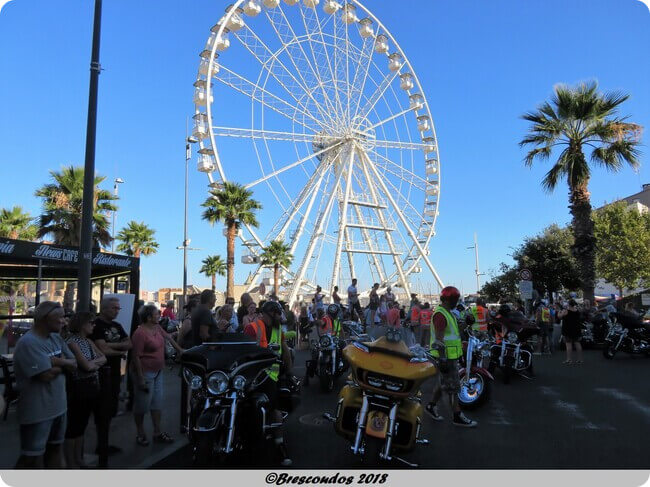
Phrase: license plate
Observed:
(377, 424)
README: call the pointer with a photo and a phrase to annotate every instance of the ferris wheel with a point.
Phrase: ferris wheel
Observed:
(314, 107)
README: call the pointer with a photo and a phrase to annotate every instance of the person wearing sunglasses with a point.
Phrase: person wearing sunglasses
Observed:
(40, 358)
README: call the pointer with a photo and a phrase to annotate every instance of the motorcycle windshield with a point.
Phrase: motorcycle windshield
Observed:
(226, 352)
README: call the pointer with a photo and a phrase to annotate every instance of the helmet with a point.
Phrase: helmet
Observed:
(333, 310)
(271, 307)
(450, 293)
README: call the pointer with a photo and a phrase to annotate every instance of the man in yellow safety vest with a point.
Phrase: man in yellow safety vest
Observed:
(447, 347)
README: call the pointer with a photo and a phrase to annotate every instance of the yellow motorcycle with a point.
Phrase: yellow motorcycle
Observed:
(379, 410)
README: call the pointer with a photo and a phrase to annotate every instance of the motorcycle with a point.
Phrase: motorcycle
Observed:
(379, 409)
(475, 379)
(327, 362)
(512, 353)
(226, 410)
(629, 334)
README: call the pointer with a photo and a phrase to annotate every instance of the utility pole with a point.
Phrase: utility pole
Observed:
(86, 241)
(478, 273)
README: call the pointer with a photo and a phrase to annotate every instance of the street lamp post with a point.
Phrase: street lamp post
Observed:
(186, 241)
(117, 181)
(86, 238)
(478, 273)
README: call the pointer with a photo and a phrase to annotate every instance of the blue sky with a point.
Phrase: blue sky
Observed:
(481, 65)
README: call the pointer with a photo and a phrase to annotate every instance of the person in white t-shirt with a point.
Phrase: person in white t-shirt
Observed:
(353, 301)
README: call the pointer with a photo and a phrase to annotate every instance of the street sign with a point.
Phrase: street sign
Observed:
(526, 289)
(526, 275)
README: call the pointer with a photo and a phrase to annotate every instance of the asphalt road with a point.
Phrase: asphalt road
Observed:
(595, 415)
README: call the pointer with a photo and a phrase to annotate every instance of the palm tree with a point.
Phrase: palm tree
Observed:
(277, 254)
(213, 265)
(234, 206)
(62, 204)
(17, 224)
(137, 239)
(61, 218)
(574, 121)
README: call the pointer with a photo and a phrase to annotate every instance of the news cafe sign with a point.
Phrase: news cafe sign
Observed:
(6, 248)
(54, 253)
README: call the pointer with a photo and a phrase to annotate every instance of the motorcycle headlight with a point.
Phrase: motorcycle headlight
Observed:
(217, 382)
(196, 382)
(239, 382)
(512, 337)
(325, 341)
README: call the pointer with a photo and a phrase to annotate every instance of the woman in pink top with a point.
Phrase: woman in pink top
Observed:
(392, 315)
(148, 361)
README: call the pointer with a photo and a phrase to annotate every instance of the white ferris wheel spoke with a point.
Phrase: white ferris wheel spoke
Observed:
(392, 117)
(285, 78)
(266, 98)
(378, 94)
(395, 206)
(294, 47)
(364, 57)
(394, 144)
(403, 171)
(290, 166)
(262, 134)
(313, 27)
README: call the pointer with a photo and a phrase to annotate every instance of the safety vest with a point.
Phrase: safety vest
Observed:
(328, 324)
(276, 338)
(425, 317)
(259, 325)
(336, 327)
(546, 315)
(453, 343)
(415, 314)
(480, 318)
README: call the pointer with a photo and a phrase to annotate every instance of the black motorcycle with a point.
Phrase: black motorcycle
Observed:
(629, 334)
(512, 352)
(327, 361)
(227, 410)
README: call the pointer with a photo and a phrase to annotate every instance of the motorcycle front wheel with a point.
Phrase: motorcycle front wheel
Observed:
(203, 451)
(474, 393)
(609, 351)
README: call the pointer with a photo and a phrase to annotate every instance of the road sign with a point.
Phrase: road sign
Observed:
(526, 289)
(526, 275)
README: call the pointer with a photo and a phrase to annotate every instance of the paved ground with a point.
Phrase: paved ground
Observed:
(592, 416)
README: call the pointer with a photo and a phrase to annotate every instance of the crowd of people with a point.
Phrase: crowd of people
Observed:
(69, 368)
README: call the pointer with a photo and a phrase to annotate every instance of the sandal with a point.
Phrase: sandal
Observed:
(142, 440)
(163, 438)
(567, 362)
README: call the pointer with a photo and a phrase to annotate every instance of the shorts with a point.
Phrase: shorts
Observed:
(373, 306)
(144, 401)
(450, 382)
(35, 437)
(543, 329)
